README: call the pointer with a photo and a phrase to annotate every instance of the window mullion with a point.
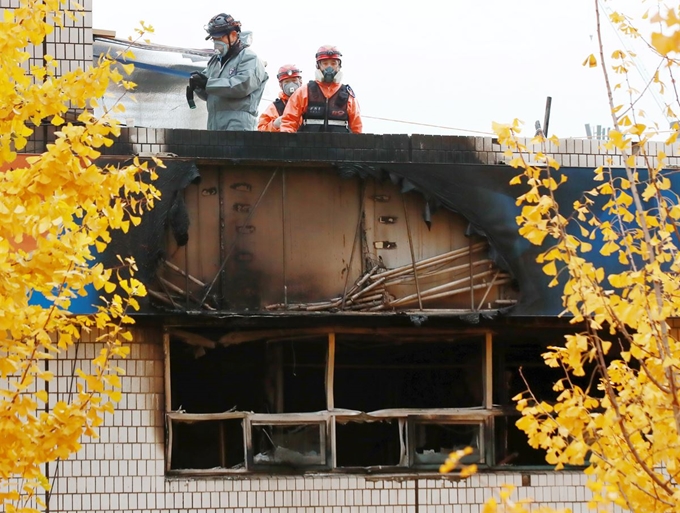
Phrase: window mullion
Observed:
(488, 371)
(330, 401)
(248, 443)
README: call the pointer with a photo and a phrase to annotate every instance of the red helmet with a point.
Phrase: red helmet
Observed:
(288, 71)
(328, 52)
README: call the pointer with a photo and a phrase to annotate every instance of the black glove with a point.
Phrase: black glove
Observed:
(197, 80)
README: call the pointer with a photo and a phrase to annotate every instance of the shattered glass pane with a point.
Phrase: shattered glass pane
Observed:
(434, 442)
(289, 445)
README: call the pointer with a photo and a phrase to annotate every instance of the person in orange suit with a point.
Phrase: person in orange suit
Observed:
(290, 79)
(324, 104)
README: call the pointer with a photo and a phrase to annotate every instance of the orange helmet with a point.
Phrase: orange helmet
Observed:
(328, 52)
(288, 71)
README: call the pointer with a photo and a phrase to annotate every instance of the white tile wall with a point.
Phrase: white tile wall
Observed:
(591, 153)
(123, 471)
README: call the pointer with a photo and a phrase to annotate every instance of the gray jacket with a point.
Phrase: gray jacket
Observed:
(234, 91)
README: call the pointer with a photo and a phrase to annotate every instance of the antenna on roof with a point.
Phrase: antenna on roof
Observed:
(546, 120)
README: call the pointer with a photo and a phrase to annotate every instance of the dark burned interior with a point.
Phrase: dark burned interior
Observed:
(360, 304)
(315, 238)
(352, 399)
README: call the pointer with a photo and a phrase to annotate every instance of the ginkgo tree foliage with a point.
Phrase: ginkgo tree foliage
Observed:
(617, 411)
(57, 211)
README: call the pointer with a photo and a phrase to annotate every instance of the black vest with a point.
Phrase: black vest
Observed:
(280, 106)
(321, 110)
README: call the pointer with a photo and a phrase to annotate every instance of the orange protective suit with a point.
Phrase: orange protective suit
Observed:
(297, 106)
(267, 118)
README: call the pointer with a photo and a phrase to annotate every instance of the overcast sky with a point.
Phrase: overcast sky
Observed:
(457, 65)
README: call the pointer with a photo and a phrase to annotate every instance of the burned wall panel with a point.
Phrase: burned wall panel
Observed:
(322, 211)
(276, 238)
(200, 258)
(252, 226)
(387, 237)
(386, 220)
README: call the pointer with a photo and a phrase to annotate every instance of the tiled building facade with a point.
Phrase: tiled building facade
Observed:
(124, 470)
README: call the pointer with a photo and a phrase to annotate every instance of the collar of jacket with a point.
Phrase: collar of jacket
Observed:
(234, 50)
(328, 89)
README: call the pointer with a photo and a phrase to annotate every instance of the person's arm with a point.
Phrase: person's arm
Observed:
(249, 74)
(295, 108)
(267, 118)
(355, 124)
(200, 91)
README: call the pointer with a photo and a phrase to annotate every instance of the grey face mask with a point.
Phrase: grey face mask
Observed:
(329, 74)
(221, 48)
(290, 88)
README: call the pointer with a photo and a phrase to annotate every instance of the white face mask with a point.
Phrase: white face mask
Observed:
(221, 48)
(290, 88)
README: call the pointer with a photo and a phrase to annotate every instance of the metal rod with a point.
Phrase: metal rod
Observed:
(472, 291)
(430, 274)
(488, 289)
(354, 244)
(161, 297)
(283, 235)
(367, 275)
(186, 275)
(182, 273)
(330, 373)
(233, 244)
(367, 289)
(439, 296)
(222, 238)
(432, 261)
(546, 119)
(169, 285)
(445, 286)
(413, 255)
(167, 293)
(488, 370)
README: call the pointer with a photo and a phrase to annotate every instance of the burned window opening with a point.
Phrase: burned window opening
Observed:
(275, 377)
(350, 401)
(368, 444)
(400, 374)
(219, 380)
(303, 374)
(208, 445)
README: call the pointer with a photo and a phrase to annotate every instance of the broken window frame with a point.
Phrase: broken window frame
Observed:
(173, 418)
(482, 416)
(438, 420)
(286, 420)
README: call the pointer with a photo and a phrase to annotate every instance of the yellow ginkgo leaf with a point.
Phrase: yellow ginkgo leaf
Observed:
(590, 61)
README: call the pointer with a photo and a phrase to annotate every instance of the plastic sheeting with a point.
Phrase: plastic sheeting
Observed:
(162, 73)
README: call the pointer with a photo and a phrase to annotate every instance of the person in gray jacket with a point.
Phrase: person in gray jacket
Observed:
(233, 82)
